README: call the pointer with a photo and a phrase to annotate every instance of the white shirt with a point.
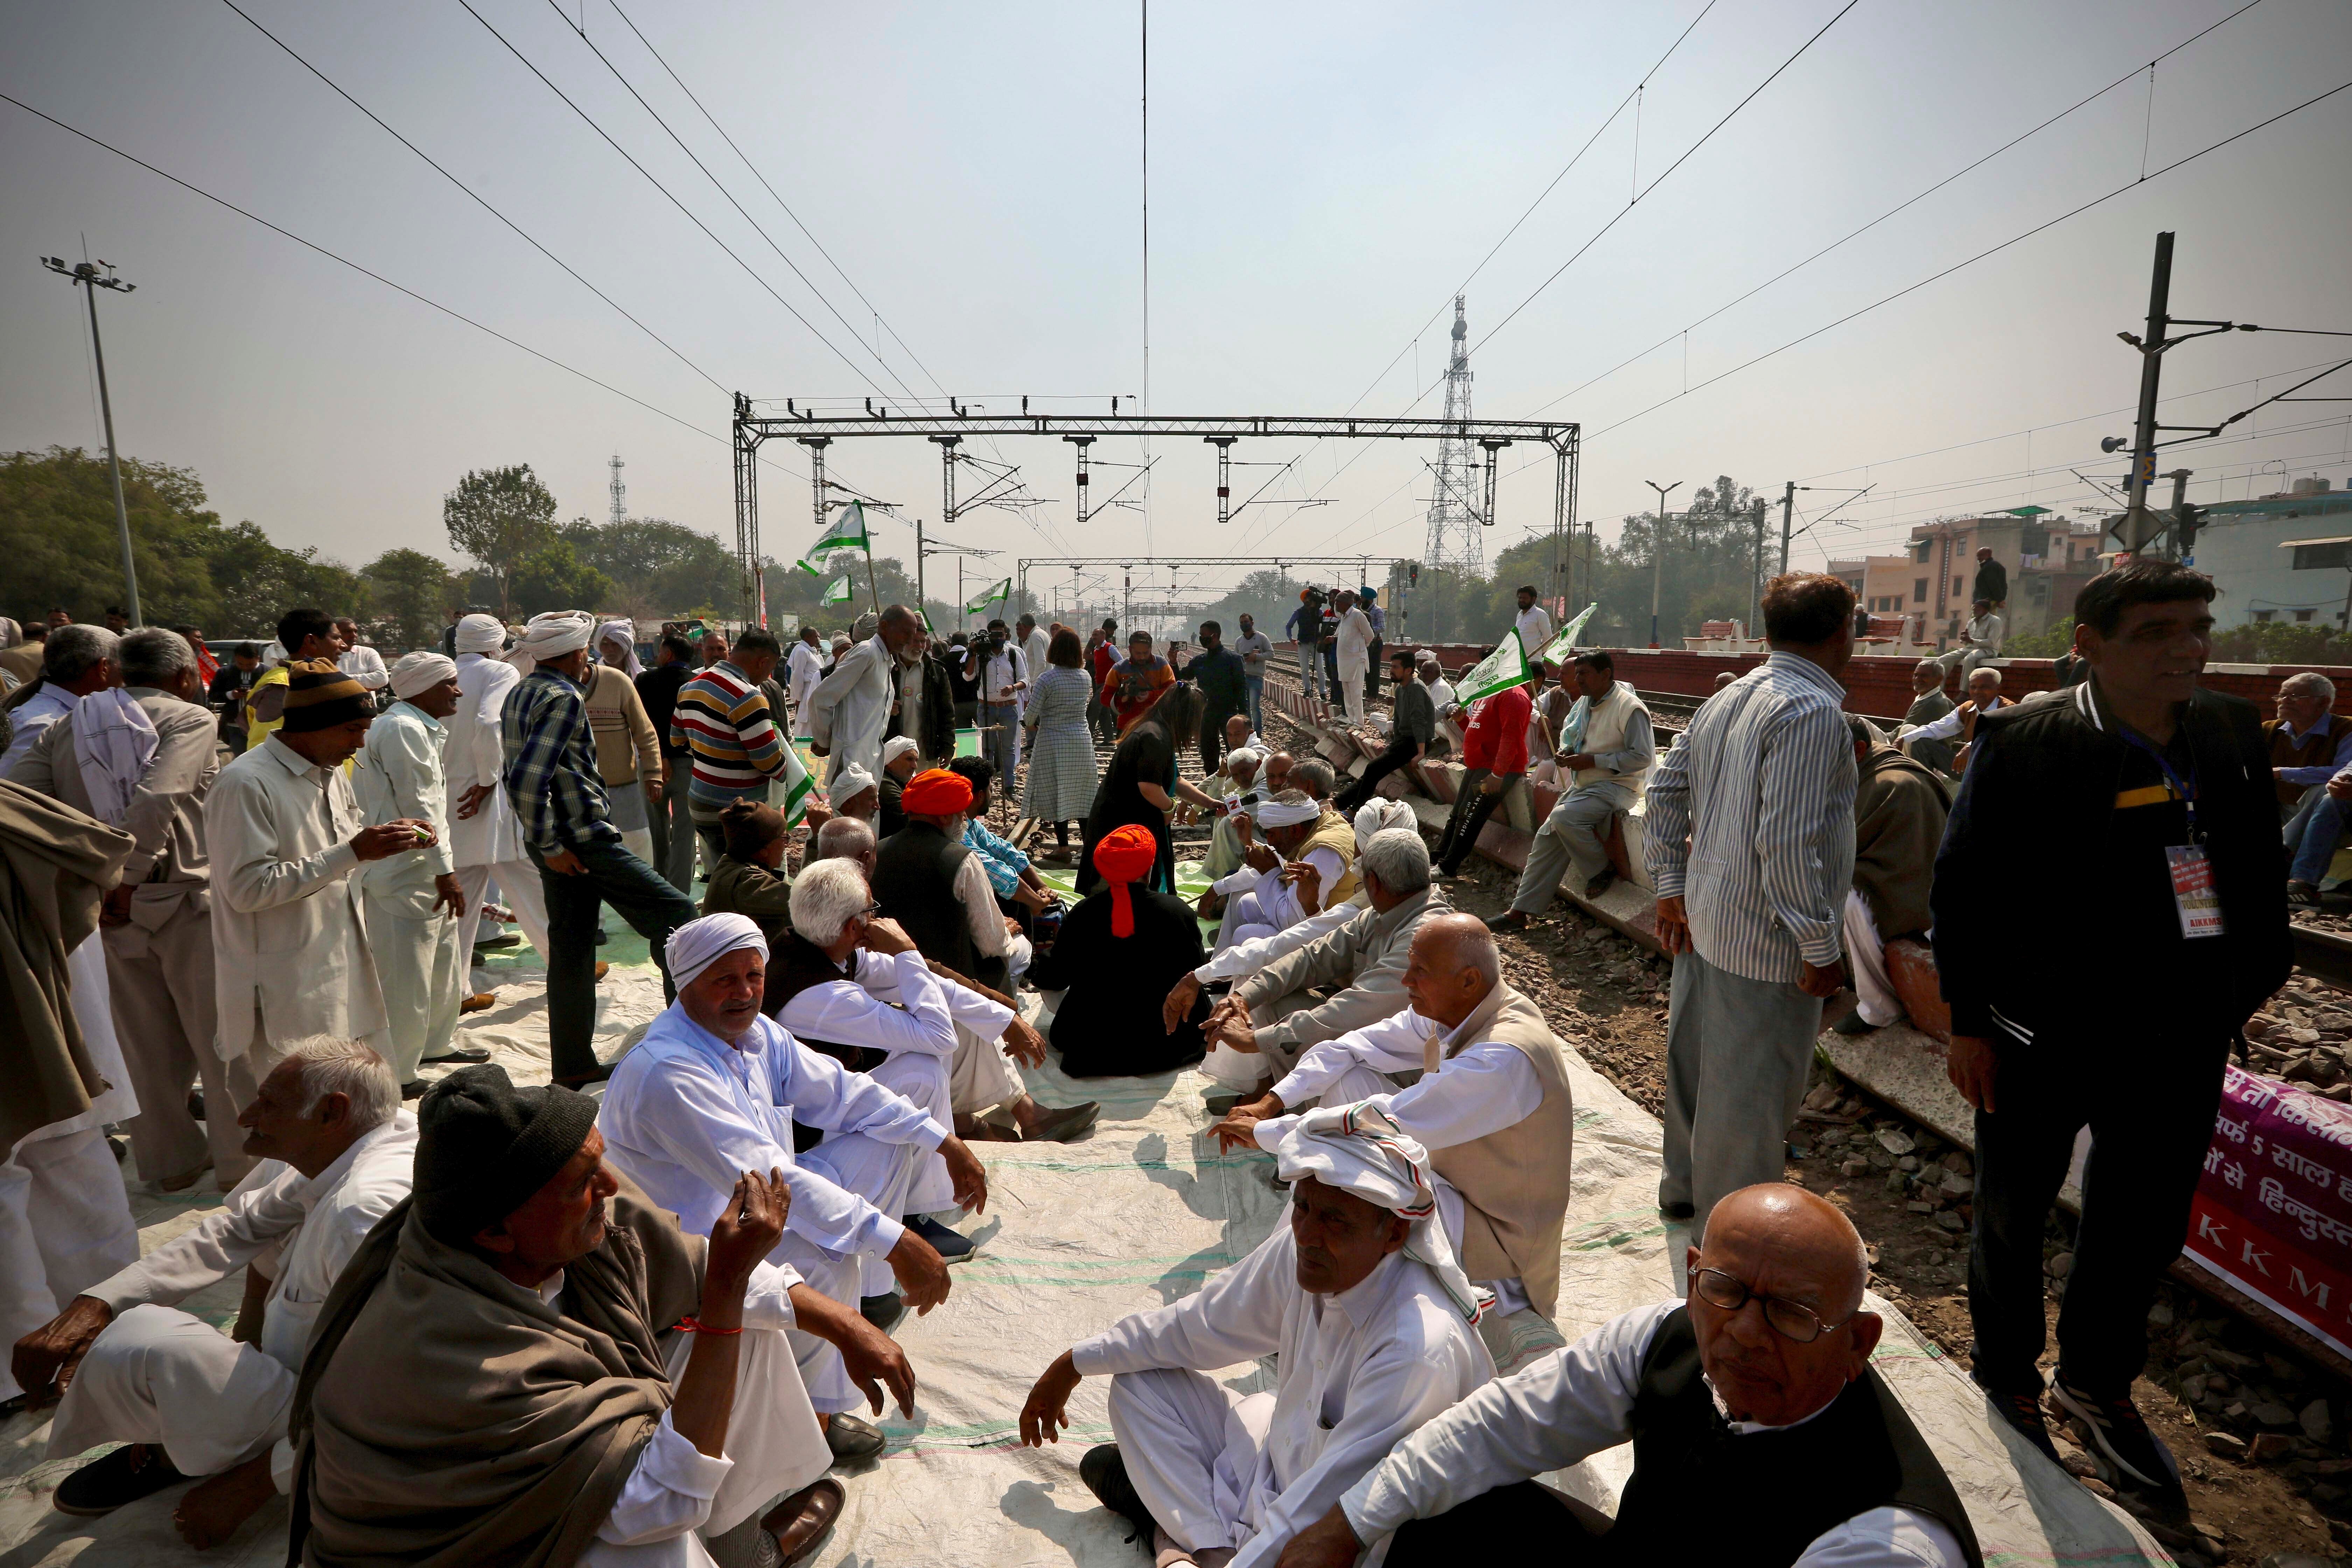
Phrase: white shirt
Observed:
(1035, 647)
(398, 775)
(1361, 1370)
(804, 664)
(849, 709)
(1000, 671)
(1946, 727)
(980, 913)
(1534, 626)
(686, 1113)
(1574, 1403)
(289, 940)
(1483, 1089)
(858, 1009)
(1984, 633)
(475, 753)
(1249, 957)
(1355, 638)
(312, 1224)
(364, 665)
(30, 717)
(1441, 694)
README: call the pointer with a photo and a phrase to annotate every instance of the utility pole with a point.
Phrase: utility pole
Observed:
(2137, 528)
(1787, 510)
(1756, 573)
(86, 277)
(1658, 552)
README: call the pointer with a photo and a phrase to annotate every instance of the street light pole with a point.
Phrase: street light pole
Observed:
(1658, 552)
(86, 277)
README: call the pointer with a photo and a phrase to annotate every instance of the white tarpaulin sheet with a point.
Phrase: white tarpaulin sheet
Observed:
(1076, 1237)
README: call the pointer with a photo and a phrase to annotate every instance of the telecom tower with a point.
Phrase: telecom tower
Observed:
(1453, 531)
(620, 492)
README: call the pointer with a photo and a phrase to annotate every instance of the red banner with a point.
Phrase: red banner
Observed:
(2273, 1211)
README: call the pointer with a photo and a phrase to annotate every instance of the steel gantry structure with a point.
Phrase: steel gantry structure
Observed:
(816, 431)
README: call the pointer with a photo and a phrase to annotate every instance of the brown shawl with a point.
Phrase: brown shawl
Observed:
(1899, 824)
(448, 1417)
(56, 865)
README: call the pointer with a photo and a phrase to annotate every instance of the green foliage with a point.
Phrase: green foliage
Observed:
(59, 536)
(500, 517)
(2048, 643)
(258, 581)
(1703, 573)
(553, 577)
(408, 591)
(2283, 642)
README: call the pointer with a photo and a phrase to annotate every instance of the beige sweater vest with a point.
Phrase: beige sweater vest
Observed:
(1604, 730)
(1333, 833)
(1514, 1183)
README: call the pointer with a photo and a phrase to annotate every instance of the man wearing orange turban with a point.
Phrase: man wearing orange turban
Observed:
(1124, 857)
(932, 883)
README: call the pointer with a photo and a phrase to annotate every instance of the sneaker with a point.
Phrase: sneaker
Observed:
(853, 1437)
(882, 1312)
(953, 1246)
(1105, 1474)
(125, 1475)
(2022, 1412)
(2120, 1438)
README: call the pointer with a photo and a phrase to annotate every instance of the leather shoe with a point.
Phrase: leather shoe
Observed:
(801, 1521)
(853, 1437)
(480, 1002)
(1105, 1475)
(471, 1056)
(1602, 881)
(1510, 920)
(882, 1312)
(1063, 1125)
(953, 1246)
(414, 1088)
(601, 1071)
(124, 1476)
(603, 969)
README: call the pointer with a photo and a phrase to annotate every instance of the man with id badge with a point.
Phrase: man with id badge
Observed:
(2147, 804)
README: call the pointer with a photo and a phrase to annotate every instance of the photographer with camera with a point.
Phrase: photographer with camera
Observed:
(997, 663)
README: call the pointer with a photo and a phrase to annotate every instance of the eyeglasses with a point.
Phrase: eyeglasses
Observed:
(1788, 1320)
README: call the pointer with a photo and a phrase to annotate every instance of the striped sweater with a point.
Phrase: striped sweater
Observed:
(721, 720)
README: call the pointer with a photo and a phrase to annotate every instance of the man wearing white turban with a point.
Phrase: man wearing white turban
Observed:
(415, 909)
(484, 842)
(1373, 1320)
(852, 792)
(1300, 862)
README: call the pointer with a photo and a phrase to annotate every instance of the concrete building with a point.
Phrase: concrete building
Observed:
(2286, 557)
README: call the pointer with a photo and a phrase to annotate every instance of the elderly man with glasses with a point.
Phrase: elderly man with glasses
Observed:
(1753, 1401)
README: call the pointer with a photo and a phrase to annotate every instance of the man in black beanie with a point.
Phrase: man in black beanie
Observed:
(527, 1364)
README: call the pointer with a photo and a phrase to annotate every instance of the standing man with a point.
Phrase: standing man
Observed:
(1750, 847)
(673, 821)
(1607, 752)
(552, 782)
(2166, 791)
(484, 840)
(804, 668)
(1034, 643)
(1991, 585)
(308, 636)
(1369, 601)
(1494, 758)
(721, 720)
(1002, 668)
(1224, 679)
(850, 709)
(1354, 641)
(1534, 623)
(416, 912)
(359, 661)
(290, 951)
(1102, 652)
(1256, 648)
(1306, 628)
(142, 759)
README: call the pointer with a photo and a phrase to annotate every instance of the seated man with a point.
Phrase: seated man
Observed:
(1010, 875)
(1118, 949)
(1928, 704)
(335, 1149)
(845, 838)
(850, 791)
(1980, 640)
(900, 758)
(750, 877)
(929, 880)
(1492, 1107)
(1960, 723)
(1272, 1016)
(501, 1376)
(1298, 856)
(715, 1087)
(1611, 755)
(1236, 785)
(1361, 1298)
(1899, 807)
(2312, 839)
(1771, 1420)
(848, 984)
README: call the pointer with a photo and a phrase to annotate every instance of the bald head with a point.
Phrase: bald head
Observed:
(846, 838)
(1452, 967)
(1774, 1249)
(1277, 771)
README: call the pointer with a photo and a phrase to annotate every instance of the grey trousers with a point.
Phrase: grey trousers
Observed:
(672, 822)
(162, 985)
(1738, 1053)
(1569, 843)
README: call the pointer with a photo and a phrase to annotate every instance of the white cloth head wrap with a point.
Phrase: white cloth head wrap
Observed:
(896, 746)
(1281, 814)
(555, 634)
(698, 944)
(1376, 815)
(1357, 1149)
(480, 633)
(114, 742)
(626, 634)
(415, 672)
(847, 781)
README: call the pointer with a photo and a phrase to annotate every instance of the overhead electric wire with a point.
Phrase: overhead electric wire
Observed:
(748, 270)
(479, 200)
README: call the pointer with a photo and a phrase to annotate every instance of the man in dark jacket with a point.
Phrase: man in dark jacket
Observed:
(673, 821)
(1218, 674)
(2169, 838)
(1991, 584)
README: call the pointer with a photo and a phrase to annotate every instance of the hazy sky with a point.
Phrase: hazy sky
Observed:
(1322, 177)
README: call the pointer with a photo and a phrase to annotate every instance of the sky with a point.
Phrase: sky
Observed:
(966, 189)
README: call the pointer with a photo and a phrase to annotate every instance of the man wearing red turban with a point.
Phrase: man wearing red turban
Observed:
(1120, 943)
(1125, 856)
(932, 883)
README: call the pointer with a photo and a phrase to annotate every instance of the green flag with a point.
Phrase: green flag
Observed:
(804, 566)
(848, 533)
(1563, 644)
(1499, 671)
(797, 788)
(989, 596)
(837, 591)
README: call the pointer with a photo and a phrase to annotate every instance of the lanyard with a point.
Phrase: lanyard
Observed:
(2186, 789)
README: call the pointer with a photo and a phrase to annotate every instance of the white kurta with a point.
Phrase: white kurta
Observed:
(1360, 1371)
(290, 940)
(476, 754)
(364, 665)
(1534, 626)
(163, 1376)
(851, 707)
(420, 951)
(1574, 1403)
(802, 668)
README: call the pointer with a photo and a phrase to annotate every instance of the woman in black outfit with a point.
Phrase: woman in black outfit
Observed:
(1141, 785)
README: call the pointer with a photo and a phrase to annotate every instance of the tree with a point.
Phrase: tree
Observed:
(500, 517)
(410, 589)
(57, 535)
(553, 577)
(658, 569)
(258, 581)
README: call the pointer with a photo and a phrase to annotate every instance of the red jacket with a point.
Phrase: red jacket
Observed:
(1497, 736)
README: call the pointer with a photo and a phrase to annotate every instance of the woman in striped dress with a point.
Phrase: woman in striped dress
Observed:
(1060, 788)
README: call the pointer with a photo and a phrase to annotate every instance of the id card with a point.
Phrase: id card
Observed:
(2193, 889)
